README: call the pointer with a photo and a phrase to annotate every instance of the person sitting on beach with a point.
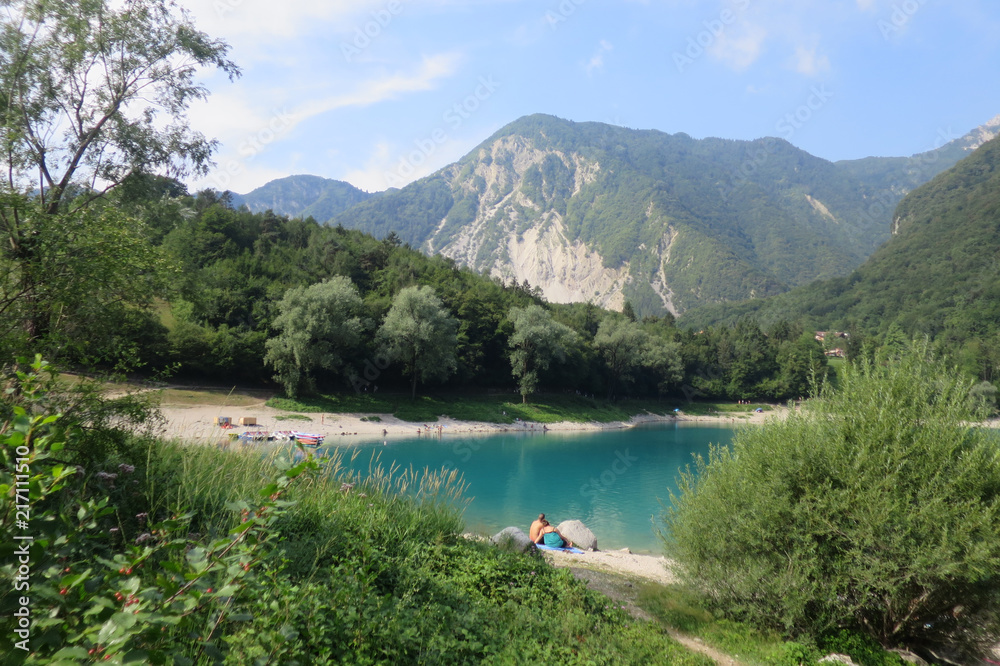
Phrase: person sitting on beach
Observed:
(552, 538)
(536, 528)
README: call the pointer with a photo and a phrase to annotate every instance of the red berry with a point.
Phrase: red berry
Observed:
(209, 590)
(129, 571)
(65, 590)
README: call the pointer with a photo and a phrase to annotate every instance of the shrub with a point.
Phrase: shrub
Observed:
(875, 509)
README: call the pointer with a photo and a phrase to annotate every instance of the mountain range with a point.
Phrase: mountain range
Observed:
(937, 277)
(596, 212)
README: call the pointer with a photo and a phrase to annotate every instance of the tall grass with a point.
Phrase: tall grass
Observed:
(335, 512)
(371, 568)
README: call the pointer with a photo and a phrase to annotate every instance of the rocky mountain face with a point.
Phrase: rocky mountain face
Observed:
(593, 212)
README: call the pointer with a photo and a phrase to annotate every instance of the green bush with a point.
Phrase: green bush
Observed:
(875, 509)
(862, 649)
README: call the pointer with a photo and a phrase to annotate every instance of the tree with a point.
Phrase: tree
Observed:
(419, 332)
(628, 311)
(537, 341)
(664, 358)
(623, 345)
(319, 325)
(91, 94)
(801, 363)
(875, 509)
(752, 360)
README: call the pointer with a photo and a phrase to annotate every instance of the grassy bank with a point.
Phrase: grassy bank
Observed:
(374, 570)
(543, 408)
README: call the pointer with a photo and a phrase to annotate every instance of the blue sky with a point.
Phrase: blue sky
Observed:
(382, 92)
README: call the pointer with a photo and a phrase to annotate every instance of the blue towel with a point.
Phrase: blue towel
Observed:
(542, 546)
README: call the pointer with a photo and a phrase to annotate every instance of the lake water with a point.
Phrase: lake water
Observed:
(614, 481)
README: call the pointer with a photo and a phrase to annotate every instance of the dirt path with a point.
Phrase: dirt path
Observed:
(619, 579)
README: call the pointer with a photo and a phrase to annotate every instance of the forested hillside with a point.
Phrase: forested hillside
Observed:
(302, 196)
(937, 277)
(219, 294)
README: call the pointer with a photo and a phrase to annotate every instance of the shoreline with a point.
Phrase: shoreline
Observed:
(198, 423)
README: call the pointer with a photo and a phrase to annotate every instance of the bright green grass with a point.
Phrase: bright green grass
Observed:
(680, 610)
(292, 417)
(543, 408)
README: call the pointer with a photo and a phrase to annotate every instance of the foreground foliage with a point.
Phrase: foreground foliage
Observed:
(875, 509)
(164, 553)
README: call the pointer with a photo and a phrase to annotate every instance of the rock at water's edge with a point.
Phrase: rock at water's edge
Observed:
(513, 538)
(578, 533)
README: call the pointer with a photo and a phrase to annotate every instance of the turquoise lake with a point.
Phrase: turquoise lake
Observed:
(614, 481)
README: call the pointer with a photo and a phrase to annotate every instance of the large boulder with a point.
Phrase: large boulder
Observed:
(513, 538)
(578, 533)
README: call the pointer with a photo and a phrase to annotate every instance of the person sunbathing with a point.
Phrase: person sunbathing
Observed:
(536, 528)
(552, 538)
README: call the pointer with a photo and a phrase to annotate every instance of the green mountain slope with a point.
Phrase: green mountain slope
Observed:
(303, 196)
(588, 211)
(938, 276)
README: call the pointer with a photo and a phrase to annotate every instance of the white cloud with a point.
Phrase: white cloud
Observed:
(248, 128)
(394, 166)
(596, 61)
(806, 61)
(432, 69)
(740, 50)
(253, 21)
(236, 113)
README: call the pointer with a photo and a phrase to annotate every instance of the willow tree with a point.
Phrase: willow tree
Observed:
(536, 342)
(320, 325)
(92, 93)
(419, 332)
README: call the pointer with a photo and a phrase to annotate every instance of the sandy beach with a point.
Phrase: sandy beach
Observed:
(198, 423)
(655, 568)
